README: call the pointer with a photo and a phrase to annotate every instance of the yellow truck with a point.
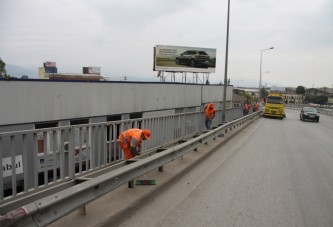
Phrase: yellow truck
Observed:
(274, 105)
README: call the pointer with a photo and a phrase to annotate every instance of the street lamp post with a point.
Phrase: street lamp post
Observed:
(226, 69)
(262, 75)
(259, 96)
(238, 81)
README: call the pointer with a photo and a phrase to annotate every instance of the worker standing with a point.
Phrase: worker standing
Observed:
(247, 106)
(130, 141)
(209, 115)
(257, 106)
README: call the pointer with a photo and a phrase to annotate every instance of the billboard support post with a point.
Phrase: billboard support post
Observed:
(173, 77)
(184, 77)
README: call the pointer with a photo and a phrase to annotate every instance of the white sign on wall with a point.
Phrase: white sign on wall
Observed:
(7, 165)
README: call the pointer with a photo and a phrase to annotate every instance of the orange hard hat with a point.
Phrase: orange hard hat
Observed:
(146, 133)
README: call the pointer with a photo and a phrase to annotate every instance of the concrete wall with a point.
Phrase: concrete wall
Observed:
(24, 102)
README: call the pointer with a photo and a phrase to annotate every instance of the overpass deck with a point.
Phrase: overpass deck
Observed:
(241, 179)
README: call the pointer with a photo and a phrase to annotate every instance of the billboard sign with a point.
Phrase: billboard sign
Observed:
(92, 70)
(184, 59)
(50, 64)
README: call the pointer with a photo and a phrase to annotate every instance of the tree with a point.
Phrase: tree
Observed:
(263, 92)
(3, 73)
(300, 90)
(322, 99)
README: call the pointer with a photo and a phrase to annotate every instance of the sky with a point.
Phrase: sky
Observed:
(119, 36)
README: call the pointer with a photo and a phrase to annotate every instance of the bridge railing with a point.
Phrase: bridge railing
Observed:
(52, 207)
(38, 159)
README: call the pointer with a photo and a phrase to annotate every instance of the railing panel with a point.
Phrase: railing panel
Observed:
(40, 158)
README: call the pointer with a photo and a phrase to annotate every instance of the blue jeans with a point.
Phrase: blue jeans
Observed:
(208, 124)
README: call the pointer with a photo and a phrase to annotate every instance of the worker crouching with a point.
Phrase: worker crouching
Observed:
(130, 141)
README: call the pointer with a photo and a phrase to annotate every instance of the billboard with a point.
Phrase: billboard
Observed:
(50, 64)
(184, 59)
(92, 70)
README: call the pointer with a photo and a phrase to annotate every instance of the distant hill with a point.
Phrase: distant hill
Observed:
(17, 71)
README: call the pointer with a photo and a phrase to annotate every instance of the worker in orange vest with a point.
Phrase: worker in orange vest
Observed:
(247, 106)
(257, 106)
(130, 141)
(209, 115)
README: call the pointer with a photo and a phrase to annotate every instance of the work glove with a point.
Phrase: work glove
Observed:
(135, 151)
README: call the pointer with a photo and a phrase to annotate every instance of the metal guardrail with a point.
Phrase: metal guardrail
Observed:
(52, 207)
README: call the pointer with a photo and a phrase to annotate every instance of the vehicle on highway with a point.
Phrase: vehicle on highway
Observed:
(274, 106)
(193, 58)
(309, 113)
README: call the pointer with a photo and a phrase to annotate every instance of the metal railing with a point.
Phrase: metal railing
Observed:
(52, 207)
(35, 160)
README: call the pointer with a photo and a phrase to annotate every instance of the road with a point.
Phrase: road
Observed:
(273, 173)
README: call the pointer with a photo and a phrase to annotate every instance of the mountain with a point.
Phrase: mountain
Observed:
(17, 71)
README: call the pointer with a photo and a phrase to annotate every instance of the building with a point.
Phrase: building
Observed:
(316, 92)
(49, 71)
(291, 97)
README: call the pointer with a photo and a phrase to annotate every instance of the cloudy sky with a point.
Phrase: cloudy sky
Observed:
(119, 36)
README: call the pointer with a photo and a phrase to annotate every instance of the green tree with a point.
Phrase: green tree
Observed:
(263, 92)
(322, 99)
(300, 90)
(3, 73)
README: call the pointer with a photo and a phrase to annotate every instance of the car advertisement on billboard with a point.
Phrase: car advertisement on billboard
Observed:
(92, 70)
(184, 59)
(50, 64)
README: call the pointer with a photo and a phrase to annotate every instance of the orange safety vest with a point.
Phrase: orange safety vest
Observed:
(209, 112)
(132, 137)
(247, 107)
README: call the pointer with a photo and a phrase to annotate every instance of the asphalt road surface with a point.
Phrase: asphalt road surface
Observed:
(273, 173)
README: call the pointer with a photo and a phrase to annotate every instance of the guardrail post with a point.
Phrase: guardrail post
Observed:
(131, 182)
(82, 210)
(196, 135)
(160, 169)
(180, 142)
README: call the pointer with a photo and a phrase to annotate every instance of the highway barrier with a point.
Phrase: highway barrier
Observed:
(80, 190)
